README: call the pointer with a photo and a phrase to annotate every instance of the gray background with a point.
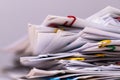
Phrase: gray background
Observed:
(16, 14)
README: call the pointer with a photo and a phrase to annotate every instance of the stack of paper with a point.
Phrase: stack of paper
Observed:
(71, 48)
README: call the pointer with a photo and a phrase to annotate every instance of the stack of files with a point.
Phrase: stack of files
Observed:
(70, 48)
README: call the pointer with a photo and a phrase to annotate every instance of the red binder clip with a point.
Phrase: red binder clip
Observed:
(66, 23)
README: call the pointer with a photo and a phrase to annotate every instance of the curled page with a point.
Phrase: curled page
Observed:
(34, 73)
(75, 44)
(107, 10)
(98, 33)
(60, 41)
(100, 44)
(108, 17)
(43, 40)
(65, 21)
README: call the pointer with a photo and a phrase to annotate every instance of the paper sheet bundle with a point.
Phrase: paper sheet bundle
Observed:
(63, 48)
